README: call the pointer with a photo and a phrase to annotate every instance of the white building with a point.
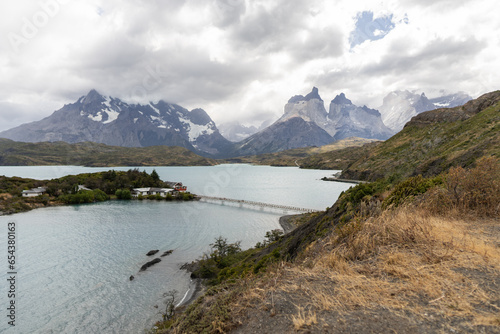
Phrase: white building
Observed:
(151, 191)
(34, 192)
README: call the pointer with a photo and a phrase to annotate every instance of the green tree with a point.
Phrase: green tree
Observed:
(221, 249)
(155, 175)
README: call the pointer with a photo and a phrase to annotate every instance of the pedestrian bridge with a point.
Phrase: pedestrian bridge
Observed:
(242, 203)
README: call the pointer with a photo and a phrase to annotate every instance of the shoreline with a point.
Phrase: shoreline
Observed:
(196, 290)
(287, 223)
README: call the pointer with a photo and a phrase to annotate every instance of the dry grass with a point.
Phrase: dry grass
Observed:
(407, 262)
(304, 318)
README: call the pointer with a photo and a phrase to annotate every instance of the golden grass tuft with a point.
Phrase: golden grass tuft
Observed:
(304, 318)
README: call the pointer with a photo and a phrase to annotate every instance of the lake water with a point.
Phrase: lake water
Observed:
(74, 262)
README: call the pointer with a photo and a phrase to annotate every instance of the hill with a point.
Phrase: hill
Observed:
(291, 157)
(95, 155)
(430, 143)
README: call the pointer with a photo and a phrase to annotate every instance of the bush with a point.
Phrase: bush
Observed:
(99, 195)
(187, 197)
(83, 196)
(475, 190)
(409, 188)
(123, 194)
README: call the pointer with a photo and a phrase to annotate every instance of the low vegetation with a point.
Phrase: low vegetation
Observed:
(95, 155)
(298, 156)
(419, 255)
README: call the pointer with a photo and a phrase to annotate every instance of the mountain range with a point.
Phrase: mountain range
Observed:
(305, 122)
(400, 106)
(110, 121)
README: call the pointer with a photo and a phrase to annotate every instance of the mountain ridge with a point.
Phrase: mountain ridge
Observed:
(110, 121)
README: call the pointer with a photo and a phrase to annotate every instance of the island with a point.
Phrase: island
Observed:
(22, 194)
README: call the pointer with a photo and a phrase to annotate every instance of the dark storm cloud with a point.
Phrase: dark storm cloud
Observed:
(319, 44)
(272, 29)
(432, 58)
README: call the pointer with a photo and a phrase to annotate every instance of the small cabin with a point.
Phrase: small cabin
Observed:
(177, 186)
(34, 192)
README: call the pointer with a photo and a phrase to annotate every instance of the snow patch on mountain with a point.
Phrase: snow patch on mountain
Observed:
(196, 130)
(112, 116)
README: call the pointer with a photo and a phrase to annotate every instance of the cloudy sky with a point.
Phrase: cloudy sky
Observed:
(241, 59)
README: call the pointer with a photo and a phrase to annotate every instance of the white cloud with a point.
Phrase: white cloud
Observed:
(238, 59)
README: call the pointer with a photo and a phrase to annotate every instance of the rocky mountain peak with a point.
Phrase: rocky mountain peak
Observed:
(314, 94)
(200, 116)
(92, 97)
(341, 100)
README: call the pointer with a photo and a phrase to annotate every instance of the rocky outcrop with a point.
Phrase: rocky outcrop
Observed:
(152, 252)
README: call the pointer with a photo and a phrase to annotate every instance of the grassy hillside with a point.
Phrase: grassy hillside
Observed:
(95, 155)
(431, 143)
(291, 157)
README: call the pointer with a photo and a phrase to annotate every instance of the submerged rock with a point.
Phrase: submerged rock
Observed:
(152, 252)
(150, 263)
(167, 253)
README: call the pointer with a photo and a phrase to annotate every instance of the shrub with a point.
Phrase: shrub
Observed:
(123, 194)
(187, 197)
(473, 190)
(83, 196)
(99, 195)
(409, 188)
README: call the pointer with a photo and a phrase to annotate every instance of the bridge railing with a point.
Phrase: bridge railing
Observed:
(254, 203)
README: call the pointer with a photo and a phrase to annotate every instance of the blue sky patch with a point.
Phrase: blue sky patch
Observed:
(369, 29)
